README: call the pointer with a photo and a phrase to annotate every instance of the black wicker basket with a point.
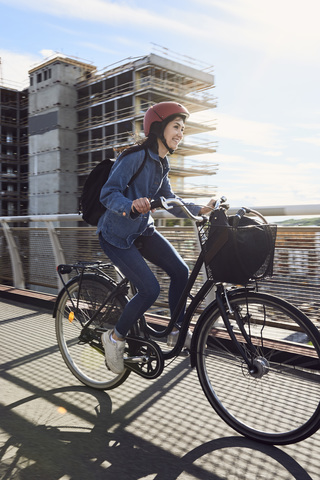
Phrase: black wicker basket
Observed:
(237, 254)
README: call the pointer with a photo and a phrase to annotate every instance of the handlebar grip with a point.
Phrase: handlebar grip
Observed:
(156, 203)
(159, 203)
(240, 213)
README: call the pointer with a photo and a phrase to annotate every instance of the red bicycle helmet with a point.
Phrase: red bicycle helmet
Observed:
(160, 112)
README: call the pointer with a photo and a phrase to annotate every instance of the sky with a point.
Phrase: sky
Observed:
(266, 62)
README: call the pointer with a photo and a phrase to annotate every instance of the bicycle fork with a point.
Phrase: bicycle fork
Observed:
(222, 302)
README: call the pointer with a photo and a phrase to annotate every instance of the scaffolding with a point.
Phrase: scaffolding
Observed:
(112, 103)
(13, 151)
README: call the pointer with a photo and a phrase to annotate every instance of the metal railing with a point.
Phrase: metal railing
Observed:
(32, 246)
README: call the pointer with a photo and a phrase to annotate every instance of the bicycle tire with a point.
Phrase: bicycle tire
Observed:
(86, 362)
(278, 402)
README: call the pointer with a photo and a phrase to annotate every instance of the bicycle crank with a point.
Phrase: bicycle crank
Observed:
(144, 357)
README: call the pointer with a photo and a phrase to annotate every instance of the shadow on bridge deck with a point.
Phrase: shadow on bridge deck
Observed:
(52, 427)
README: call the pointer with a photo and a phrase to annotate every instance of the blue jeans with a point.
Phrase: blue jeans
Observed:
(131, 262)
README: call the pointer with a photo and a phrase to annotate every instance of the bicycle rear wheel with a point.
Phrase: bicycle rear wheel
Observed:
(276, 401)
(85, 359)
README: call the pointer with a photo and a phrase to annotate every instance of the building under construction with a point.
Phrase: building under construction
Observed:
(78, 117)
(13, 152)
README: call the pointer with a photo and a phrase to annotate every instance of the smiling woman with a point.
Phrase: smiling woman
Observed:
(126, 229)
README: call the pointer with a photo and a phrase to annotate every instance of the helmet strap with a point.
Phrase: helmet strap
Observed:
(161, 136)
(163, 140)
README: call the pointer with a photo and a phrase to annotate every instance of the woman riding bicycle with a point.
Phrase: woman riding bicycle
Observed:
(126, 230)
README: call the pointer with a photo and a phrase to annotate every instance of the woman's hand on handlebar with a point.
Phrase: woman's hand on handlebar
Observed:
(141, 205)
(208, 208)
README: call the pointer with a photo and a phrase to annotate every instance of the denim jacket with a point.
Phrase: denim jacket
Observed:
(118, 225)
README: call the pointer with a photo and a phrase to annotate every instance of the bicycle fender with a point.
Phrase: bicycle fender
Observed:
(56, 303)
(72, 280)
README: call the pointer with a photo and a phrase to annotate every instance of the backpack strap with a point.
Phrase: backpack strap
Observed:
(139, 169)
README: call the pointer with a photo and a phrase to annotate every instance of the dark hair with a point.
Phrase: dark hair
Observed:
(148, 142)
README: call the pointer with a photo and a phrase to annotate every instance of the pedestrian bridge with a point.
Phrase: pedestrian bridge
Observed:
(32, 246)
(54, 428)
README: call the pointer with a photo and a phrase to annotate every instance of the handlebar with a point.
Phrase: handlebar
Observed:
(243, 210)
(167, 204)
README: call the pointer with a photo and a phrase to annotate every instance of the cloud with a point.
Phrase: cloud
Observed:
(48, 53)
(15, 66)
(97, 47)
(279, 29)
(285, 28)
(254, 181)
(102, 11)
(248, 132)
(309, 166)
(268, 153)
(308, 126)
(311, 140)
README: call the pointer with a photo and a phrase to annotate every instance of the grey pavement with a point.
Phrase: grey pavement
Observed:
(52, 427)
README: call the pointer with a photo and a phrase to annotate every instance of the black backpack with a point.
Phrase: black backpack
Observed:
(90, 206)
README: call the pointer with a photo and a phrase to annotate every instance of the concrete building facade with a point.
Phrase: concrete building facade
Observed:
(53, 165)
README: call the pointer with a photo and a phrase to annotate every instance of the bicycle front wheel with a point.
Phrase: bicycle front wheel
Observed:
(276, 398)
(76, 306)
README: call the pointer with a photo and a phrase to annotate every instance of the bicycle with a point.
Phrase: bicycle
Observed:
(257, 356)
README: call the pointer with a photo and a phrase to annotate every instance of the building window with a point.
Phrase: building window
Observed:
(39, 78)
(46, 74)
(31, 81)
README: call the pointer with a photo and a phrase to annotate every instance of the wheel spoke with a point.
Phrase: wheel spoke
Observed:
(81, 349)
(276, 399)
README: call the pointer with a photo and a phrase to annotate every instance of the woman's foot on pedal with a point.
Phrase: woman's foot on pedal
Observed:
(114, 351)
(173, 337)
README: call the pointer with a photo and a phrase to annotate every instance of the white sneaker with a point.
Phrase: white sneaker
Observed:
(173, 337)
(114, 350)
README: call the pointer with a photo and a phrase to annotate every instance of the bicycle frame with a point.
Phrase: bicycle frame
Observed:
(195, 301)
(122, 288)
